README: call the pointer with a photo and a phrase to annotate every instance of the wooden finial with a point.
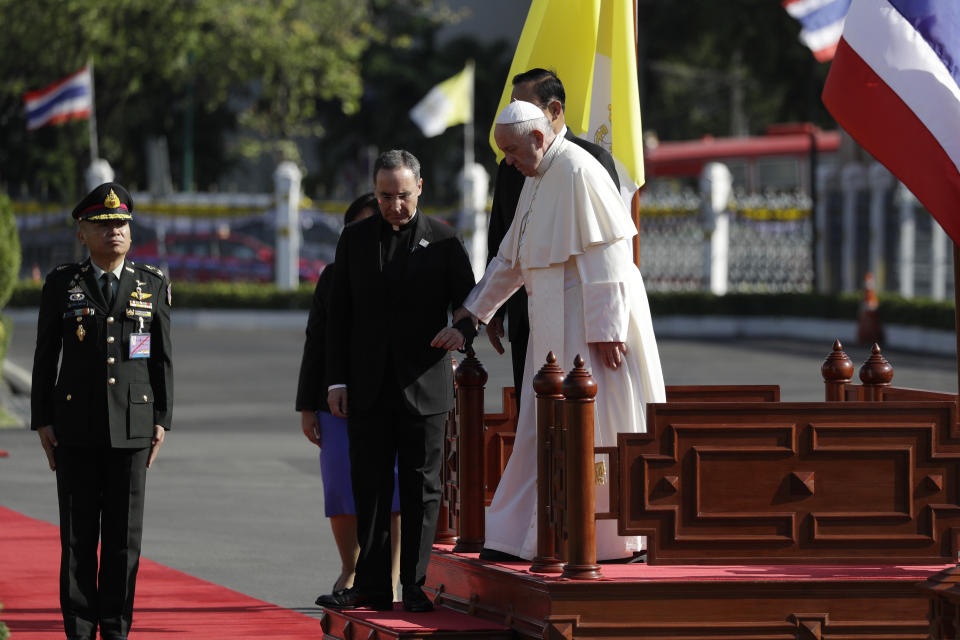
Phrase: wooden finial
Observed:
(579, 384)
(470, 372)
(876, 371)
(837, 366)
(549, 380)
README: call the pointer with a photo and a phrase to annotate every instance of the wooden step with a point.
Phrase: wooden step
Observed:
(440, 624)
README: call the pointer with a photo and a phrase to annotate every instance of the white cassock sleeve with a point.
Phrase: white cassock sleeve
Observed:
(499, 282)
(605, 305)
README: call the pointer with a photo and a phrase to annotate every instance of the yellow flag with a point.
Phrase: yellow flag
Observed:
(590, 44)
(447, 104)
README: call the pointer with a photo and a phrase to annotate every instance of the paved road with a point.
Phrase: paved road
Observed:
(235, 496)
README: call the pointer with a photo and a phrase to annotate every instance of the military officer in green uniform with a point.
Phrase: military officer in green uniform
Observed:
(101, 402)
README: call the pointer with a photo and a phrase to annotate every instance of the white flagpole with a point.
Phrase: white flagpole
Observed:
(468, 155)
(92, 121)
(475, 220)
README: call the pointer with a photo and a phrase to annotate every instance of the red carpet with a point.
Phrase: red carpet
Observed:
(170, 604)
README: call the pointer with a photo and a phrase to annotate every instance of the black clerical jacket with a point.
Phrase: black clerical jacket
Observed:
(383, 314)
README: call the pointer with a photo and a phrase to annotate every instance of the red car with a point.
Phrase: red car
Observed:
(208, 256)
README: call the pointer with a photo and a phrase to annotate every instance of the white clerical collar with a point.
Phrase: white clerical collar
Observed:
(406, 224)
(99, 272)
(550, 155)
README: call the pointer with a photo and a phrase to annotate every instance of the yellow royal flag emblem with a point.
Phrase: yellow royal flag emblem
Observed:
(112, 201)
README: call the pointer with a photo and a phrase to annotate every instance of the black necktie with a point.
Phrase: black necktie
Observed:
(107, 288)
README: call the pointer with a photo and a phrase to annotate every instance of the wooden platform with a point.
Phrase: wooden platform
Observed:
(765, 520)
(442, 623)
(750, 602)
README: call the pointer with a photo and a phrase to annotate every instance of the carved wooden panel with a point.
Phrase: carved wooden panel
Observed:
(450, 497)
(900, 394)
(500, 428)
(793, 482)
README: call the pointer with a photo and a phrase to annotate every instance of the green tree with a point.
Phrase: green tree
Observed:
(257, 66)
(397, 73)
(9, 268)
(721, 67)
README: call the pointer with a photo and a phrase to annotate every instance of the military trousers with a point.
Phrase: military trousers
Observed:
(101, 496)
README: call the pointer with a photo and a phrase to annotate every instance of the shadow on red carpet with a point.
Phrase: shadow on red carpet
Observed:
(169, 603)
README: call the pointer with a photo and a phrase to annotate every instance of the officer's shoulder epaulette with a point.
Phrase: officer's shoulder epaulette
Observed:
(148, 267)
(64, 270)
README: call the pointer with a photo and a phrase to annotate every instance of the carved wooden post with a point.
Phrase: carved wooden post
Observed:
(875, 374)
(470, 377)
(944, 615)
(548, 383)
(837, 371)
(580, 390)
(448, 514)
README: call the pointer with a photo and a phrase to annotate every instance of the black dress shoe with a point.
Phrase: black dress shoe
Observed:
(415, 600)
(492, 555)
(353, 598)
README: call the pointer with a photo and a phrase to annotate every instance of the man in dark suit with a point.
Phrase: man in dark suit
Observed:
(544, 89)
(101, 416)
(398, 275)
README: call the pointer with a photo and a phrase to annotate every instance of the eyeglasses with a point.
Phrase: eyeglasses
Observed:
(387, 198)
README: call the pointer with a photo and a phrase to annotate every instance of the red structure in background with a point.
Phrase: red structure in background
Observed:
(746, 156)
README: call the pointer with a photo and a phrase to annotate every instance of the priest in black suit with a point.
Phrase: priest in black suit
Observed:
(544, 89)
(389, 372)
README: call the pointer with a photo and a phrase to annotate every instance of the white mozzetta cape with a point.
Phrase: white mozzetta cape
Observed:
(575, 259)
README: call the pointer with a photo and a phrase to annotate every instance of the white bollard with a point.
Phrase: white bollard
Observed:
(852, 180)
(475, 186)
(824, 176)
(908, 238)
(938, 261)
(880, 181)
(97, 173)
(286, 181)
(716, 182)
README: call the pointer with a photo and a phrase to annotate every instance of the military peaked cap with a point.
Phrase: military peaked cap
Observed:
(109, 201)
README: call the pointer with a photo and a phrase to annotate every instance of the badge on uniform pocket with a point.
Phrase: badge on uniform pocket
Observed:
(139, 345)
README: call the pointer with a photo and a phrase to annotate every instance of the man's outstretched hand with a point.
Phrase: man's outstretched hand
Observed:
(448, 338)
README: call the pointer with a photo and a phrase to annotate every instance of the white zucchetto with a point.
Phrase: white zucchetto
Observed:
(519, 111)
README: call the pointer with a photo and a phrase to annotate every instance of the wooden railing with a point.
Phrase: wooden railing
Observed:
(730, 474)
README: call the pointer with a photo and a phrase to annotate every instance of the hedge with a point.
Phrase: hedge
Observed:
(9, 250)
(919, 312)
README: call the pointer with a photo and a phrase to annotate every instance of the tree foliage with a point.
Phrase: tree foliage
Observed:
(338, 77)
(694, 54)
(9, 251)
(256, 66)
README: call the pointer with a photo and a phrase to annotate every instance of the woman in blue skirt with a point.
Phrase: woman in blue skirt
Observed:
(330, 432)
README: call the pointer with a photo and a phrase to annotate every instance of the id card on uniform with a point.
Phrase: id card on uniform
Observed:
(139, 345)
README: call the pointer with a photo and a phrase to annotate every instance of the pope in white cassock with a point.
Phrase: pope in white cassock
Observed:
(569, 245)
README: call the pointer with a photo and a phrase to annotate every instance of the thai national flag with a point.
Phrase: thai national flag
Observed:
(67, 99)
(822, 24)
(894, 85)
